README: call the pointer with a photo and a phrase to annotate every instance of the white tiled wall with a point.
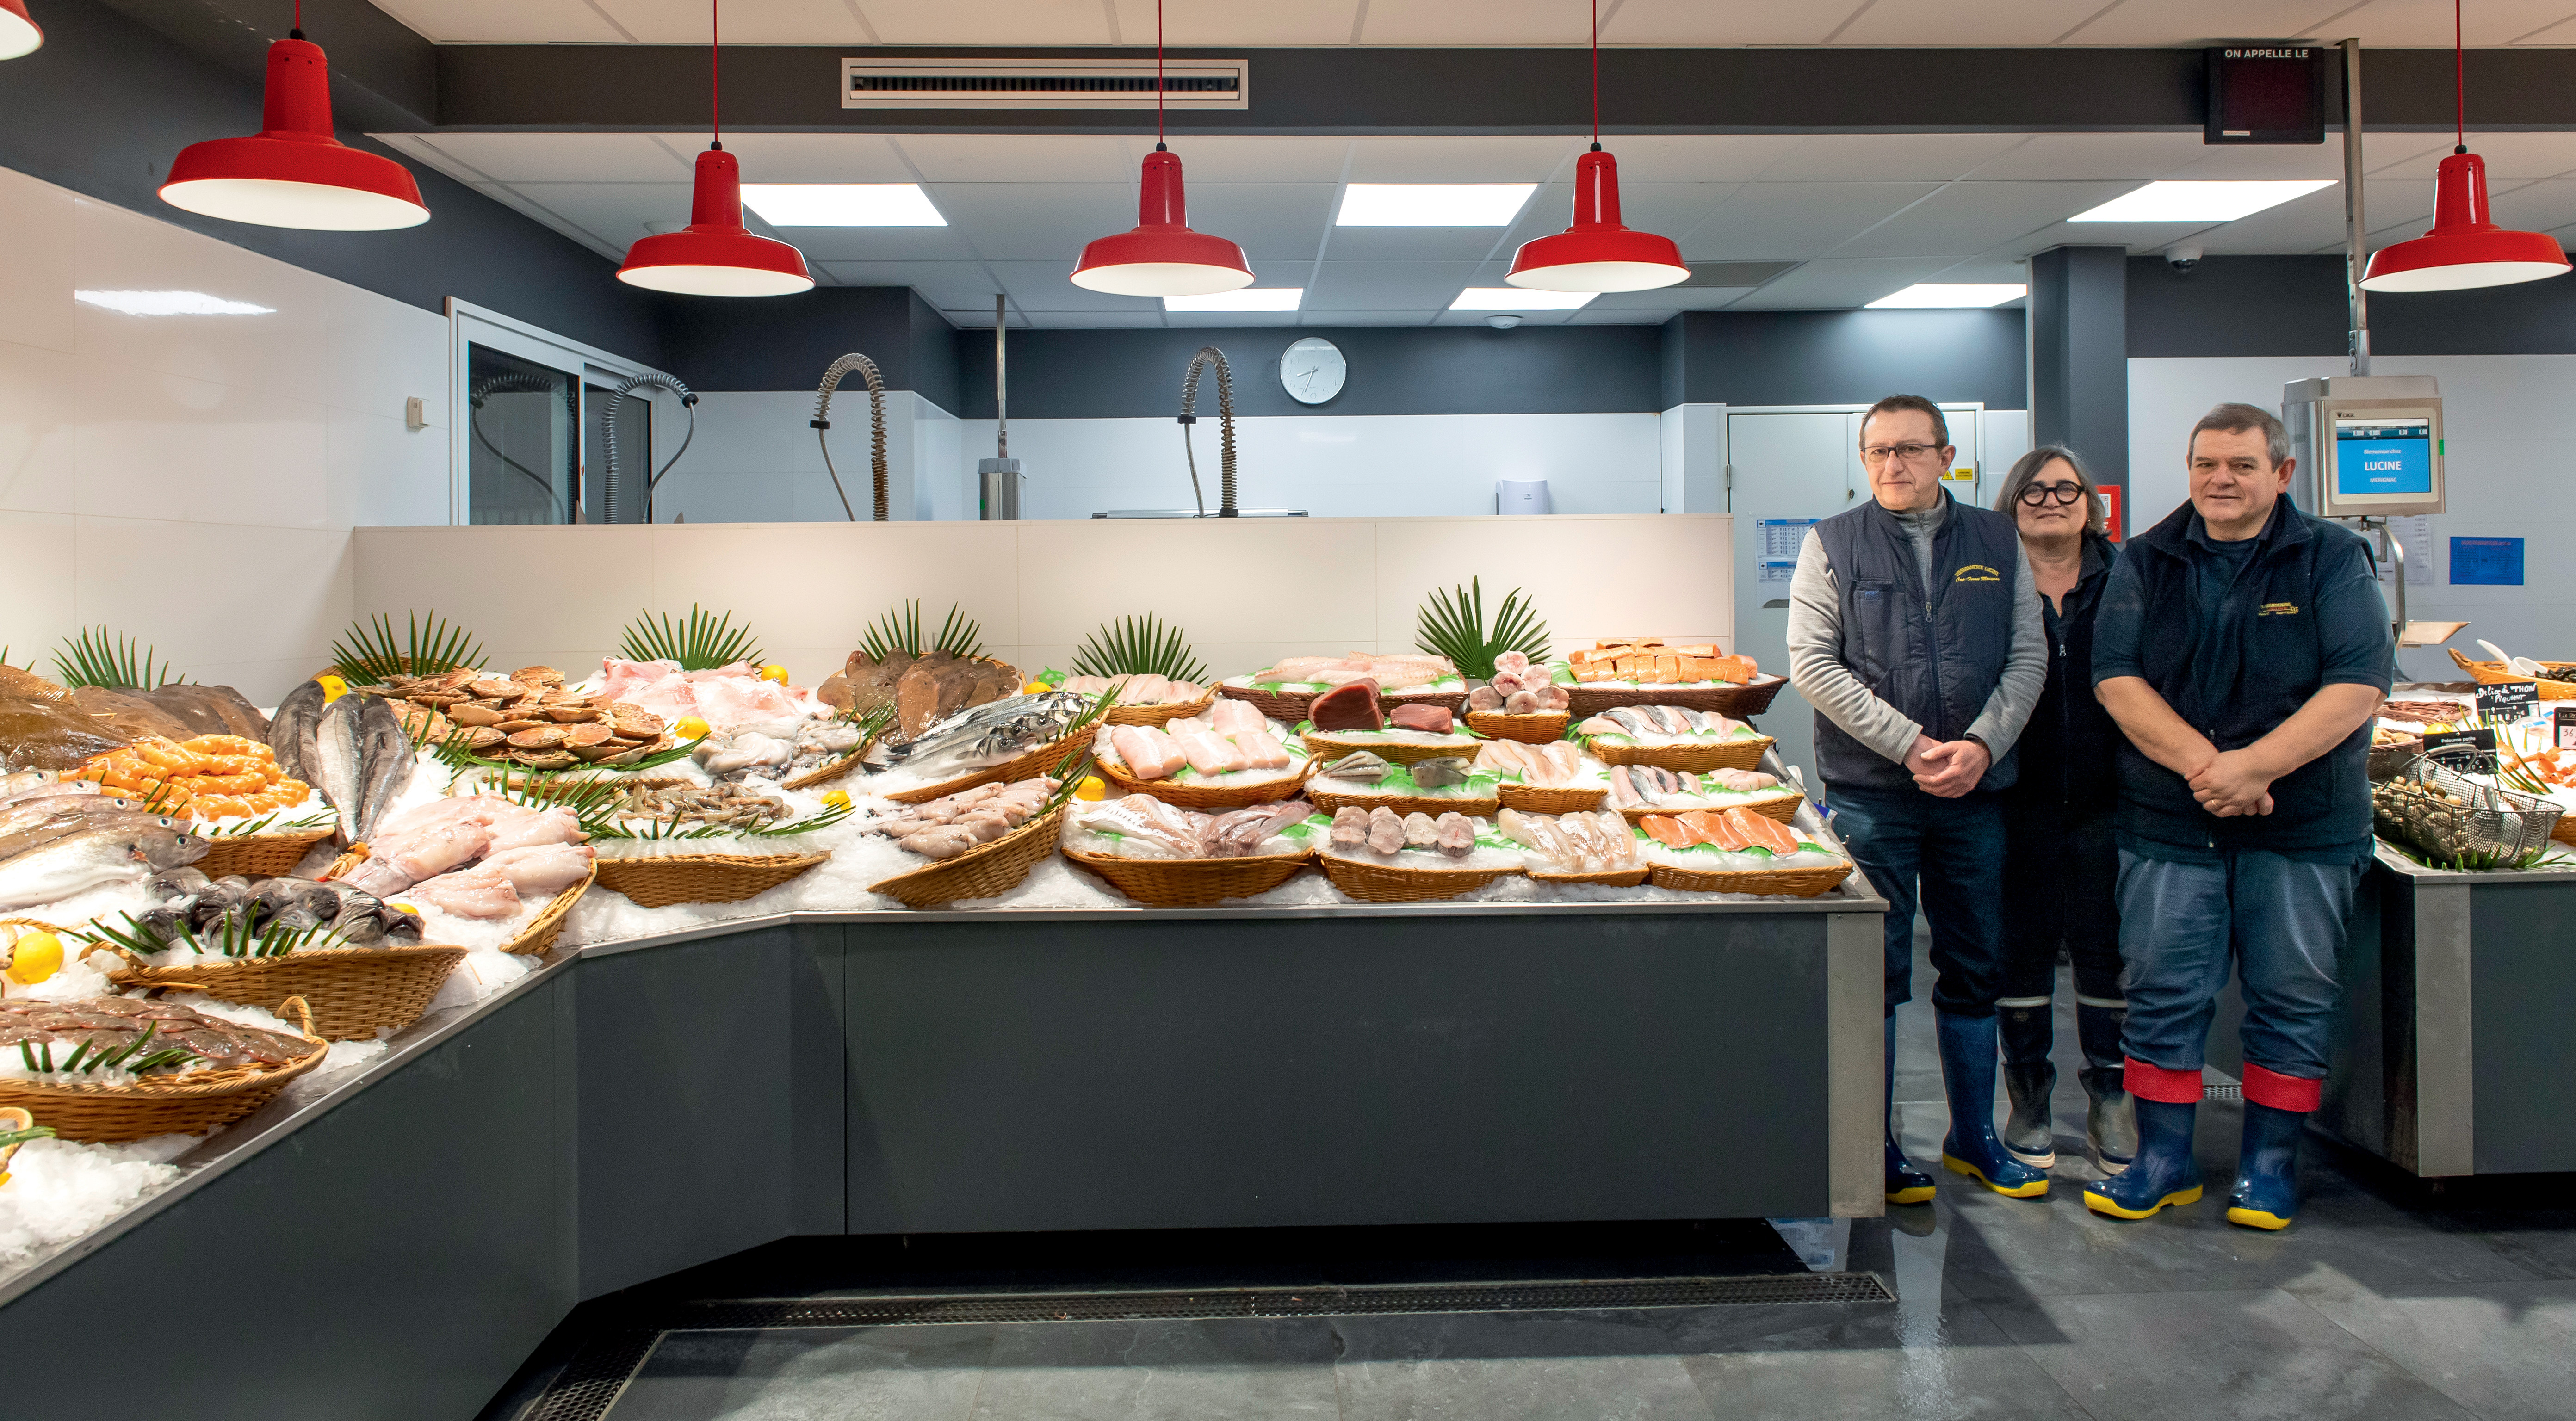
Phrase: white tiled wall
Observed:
(191, 480)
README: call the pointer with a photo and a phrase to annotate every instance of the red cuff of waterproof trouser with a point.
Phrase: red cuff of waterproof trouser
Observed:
(2166, 1087)
(2279, 1091)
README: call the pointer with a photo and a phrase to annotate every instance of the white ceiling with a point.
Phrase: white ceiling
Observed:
(1448, 23)
(1864, 215)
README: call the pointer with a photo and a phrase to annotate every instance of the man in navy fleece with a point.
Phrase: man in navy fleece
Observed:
(2243, 649)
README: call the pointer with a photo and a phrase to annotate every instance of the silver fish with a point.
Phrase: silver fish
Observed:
(361, 761)
(991, 733)
(1440, 773)
(1359, 767)
(291, 731)
(742, 753)
(94, 856)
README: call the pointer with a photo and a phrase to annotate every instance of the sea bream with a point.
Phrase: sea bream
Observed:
(989, 734)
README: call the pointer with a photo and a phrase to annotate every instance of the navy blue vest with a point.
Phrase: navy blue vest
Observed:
(1937, 660)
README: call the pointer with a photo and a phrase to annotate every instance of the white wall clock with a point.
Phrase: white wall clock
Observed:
(1312, 370)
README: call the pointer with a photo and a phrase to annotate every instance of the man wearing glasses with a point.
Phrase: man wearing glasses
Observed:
(1914, 630)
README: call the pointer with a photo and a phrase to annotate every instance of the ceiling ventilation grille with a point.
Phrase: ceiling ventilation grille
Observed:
(1044, 84)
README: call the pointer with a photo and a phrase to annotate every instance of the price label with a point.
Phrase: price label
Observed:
(2509, 702)
(2565, 723)
(2462, 751)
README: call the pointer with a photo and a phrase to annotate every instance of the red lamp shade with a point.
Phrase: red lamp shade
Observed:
(18, 32)
(2464, 249)
(715, 255)
(293, 173)
(1597, 253)
(1162, 256)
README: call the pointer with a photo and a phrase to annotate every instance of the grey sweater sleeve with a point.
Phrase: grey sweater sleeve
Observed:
(2025, 669)
(1816, 667)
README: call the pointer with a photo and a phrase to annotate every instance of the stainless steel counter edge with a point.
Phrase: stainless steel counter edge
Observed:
(2396, 862)
(275, 1121)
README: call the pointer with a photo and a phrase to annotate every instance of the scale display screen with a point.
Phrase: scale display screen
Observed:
(2383, 456)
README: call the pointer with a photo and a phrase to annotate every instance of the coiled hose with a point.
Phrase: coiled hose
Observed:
(504, 385)
(1225, 420)
(822, 423)
(688, 402)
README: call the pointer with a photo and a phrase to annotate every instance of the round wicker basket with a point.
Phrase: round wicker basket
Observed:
(1527, 729)
(1028, 763)
(981, 872)
(189, 1104)
(1377, 883)
(259, 855)
(1783, 807)
(1737, 701)
(1285, 707)
(1698, 759)
(1778, 882)
(1618, 878)
(354, 991)
(1188, 883)
(701, 878)
(1328, 745)
(1162, 715)
(1552, 799)
(1209, 797)
(1328, 801)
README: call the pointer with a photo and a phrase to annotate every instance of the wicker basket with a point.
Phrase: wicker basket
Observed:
(1740, 702)
(1028, 763)
(554, 784)
(981, 872)
(1206, 797)
(1776, 882)
(1328, 802)
(1188, 883)
(1327, 746)
(259, 855)
(1621, 878)
(532, 940)
(1784, 808)
(354, 991)
(189, 1104)
(1376, 883)
(831, 770)
(1527, 729)
(1698, 759)
(1285, 707)
(2492, 673)
(1453, 701)
(1163, 715)
(1552, 799)
(701, 878)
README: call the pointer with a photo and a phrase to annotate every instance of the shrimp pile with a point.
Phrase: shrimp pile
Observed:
(210, 777)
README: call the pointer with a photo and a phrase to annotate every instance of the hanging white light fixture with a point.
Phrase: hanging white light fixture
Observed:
(1597, 253)
(1161, 256)
(19, 33)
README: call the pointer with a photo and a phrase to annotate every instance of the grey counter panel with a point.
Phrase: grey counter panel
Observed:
(2523, 996)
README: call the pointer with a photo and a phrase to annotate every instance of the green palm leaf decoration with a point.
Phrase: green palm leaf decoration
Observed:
(1453, 625)
(98, 657)
(899, 630)
(369, 653)
(1133, 646)
(701, 643)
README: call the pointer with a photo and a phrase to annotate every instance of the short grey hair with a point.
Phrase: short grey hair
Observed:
(2234, 418)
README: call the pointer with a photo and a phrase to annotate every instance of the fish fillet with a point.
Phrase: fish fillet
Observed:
(1209, 754)
(539, 870)
(1386, 830)
(1350, 827)
(1261, 750)
(1763, 831)
(1707, 827)
(1623, 790)
(1666, 830)
(1231, 717)
(476, 893)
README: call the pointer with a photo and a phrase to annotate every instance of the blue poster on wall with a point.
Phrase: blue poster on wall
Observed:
(2486, 562)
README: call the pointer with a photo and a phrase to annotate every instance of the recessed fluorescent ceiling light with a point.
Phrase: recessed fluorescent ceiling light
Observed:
(1249, 298)
(1515, 298)
(2199, 202)
(1433, 204)
(170, 303)
(1953, 293)
(842, 205)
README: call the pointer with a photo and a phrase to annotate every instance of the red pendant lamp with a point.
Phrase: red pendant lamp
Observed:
(18, 32)
(2464, 249)
(1597, 253)
(715, 255)
(293, 173)
(1162, 256)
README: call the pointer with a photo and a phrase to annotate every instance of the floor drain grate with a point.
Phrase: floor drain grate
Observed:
(2222, 1092)
(1283, 1302)
(593, 1380)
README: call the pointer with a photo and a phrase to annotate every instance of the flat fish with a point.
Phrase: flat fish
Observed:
(1440, 773)
(1359, 767)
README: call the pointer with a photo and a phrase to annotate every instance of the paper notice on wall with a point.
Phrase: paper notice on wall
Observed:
(2415, 536)
(1782, 537)
(1779, 570)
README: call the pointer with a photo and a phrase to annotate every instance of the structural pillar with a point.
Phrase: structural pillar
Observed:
(2079, 360)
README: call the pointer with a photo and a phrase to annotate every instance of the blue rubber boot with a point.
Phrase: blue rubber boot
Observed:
(2163, 1172)
(1968, 1045)
(1905, 1183)
(2266, 1195)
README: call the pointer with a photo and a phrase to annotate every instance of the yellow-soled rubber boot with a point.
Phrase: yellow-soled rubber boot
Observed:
(1968, 1045)
(2266, 1195)
(1905, 1183)
(2164, 1172)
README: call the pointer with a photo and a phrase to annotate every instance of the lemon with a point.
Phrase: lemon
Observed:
(837, 799)
(691, 728)
(1034, 688)
(35, 957)
(333, 688)
(404, 908)
(1092, 787)
(774, 672)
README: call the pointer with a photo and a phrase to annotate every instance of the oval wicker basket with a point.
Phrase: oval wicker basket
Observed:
(189, 1104)
(1377, 883)
(259, 855)
(1552, 799)
(831, 770)
(1328, 801)
(984, 871)
(1737, 701)
(1285, 707)
(662, 881)
(1327, 746)
(1162, 715)
(554, 784)
(1618, 878)
(1208, 797)
(1698, 759)
(354, 991)
(1527, 729)
(1783, 807)
(1189, 883)
(1028, 763)
(1453, 701)
(2493, 673)
(533, 939)
(1776, 882)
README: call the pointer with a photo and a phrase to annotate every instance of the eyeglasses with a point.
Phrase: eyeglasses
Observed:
(2038, 495)
(1910, 453)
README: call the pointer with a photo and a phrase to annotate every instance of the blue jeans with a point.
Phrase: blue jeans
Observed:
(1948, 855)
(2278, 921)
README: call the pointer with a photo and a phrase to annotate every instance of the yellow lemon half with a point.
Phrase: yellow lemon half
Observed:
(333, 688)
(774, 672)
(34, 958)
(837, 799)
(691, 728)
(1034, 688)
(1092, 788)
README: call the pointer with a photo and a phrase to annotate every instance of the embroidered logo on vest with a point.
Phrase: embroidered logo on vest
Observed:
(1976, 572)
(2278, 609)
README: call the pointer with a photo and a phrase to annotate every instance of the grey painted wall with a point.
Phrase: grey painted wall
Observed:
(2079, 363)
(2295, 306)
(1844, 357)
(785, 343)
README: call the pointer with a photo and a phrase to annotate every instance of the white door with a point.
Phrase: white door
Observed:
(1784, 473)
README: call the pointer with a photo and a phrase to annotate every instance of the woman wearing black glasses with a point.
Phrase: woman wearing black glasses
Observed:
(2060, 865)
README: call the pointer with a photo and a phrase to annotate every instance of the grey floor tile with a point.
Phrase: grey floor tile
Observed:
(810, 1374)
(2506, 1351)
(2541, 1242)
(1515, 1366)
(2214, 1356)
(1161, 1371)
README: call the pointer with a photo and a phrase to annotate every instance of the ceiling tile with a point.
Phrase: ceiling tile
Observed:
(1365, 318)
(1199, 23)
(1034, 221)
(1724, 22)
(1668, 298)
(1966, 218)
(1947, 22)
(1478, 318)
(1597, 314)
(1417, 243)
(1830, 285)
(2427, 23)
(1202, 319)
(2194, 22)
(806, 157)
(769, 22)
(1092, 320)
(877, 244)
(1019, 22)
(612, 248)
(1793, 221)
(1271, 221)
(2226, 162)
(2063, 156)
(1473, 22)
(1669, 209)
(1462, 160)
(2507, 155)
(1017, 158)
(1250, 159)
(1888, 157)
(1359, 286)
(1697, 157)
(503, 21)
(565, 157)
(1047, 286)
(616, 212)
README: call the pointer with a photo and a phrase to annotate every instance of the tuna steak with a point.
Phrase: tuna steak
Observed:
(1352, 706)
(1429, 719)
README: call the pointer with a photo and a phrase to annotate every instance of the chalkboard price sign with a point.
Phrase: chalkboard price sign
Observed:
(2462, 751)
(2510, 701)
